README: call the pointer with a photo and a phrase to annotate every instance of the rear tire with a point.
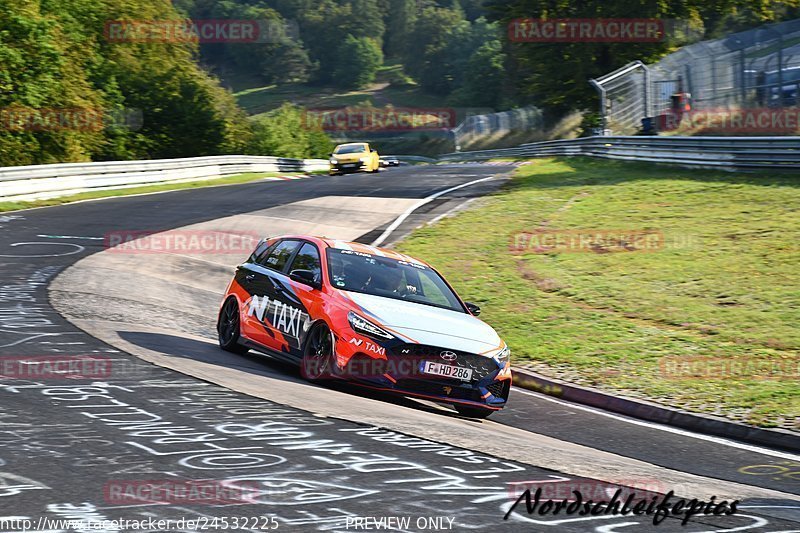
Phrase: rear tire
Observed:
(473, 412)
(228, 332)
(315, 366)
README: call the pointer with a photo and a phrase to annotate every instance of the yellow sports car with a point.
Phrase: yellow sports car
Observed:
(352, 157)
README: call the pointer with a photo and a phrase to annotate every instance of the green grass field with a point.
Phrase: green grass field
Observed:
(721, 290)
(391, 87)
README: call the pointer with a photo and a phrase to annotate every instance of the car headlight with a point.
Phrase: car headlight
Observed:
(504, 356)
(333, 161)
(365, 327)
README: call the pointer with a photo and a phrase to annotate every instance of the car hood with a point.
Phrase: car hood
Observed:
(429, 325)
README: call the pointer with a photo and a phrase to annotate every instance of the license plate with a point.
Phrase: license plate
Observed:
(448, 371)
(350, 164)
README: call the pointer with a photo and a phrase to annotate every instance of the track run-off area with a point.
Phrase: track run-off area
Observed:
(176, 407)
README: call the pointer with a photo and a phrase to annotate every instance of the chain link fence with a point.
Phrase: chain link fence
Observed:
(758, 68)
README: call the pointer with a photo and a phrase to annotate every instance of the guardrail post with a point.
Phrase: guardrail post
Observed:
(602, 92)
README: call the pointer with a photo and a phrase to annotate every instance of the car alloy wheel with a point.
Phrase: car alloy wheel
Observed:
(228, 328)
(317, 354)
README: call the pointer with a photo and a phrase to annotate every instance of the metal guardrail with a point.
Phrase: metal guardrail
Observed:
(413, 158)
(727, 153)
(45, 181)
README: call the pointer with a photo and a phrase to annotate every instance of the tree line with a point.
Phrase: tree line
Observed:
(56, 55)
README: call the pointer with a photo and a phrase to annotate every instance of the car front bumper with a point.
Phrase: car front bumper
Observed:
(488, 388)
(347, 167)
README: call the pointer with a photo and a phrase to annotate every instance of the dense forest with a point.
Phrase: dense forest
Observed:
(157, 99)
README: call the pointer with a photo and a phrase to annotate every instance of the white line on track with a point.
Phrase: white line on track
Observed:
(668, 429)
(78, 247)
(70, 237)
(399, 220)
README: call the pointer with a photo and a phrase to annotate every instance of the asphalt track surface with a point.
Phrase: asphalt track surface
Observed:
(65, 446)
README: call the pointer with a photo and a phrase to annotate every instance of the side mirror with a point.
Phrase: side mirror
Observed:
(472, 308)
(306, 277)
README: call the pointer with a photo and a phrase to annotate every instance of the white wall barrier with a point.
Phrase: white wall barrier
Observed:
(46, 181)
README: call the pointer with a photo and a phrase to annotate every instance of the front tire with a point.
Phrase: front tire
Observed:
(315, 366)
(228, 328)
(473, 412)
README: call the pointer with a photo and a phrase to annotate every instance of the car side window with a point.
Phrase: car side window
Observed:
(261, 252)
(280, 255)
(308, 259)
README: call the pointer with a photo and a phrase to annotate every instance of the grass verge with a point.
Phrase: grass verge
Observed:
(707, 321)
(158, 187)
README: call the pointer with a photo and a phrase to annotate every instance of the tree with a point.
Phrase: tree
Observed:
(485, 80)
(323, 24)
(283, 132)
(400, 18)
(358, 61)
(41, 76)
(429, 50)
(55, 55)
(277, 57)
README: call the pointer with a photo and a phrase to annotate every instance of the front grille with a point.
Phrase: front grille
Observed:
(437, 389)
(481, 366)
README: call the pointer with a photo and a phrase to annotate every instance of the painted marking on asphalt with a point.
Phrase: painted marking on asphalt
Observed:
(653, 425)
(768, 507)
(399, 220)
(612, 528)
(79, 249)
(70, 237)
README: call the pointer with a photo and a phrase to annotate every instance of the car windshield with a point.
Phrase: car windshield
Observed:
(391, 278)
(350, 149)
